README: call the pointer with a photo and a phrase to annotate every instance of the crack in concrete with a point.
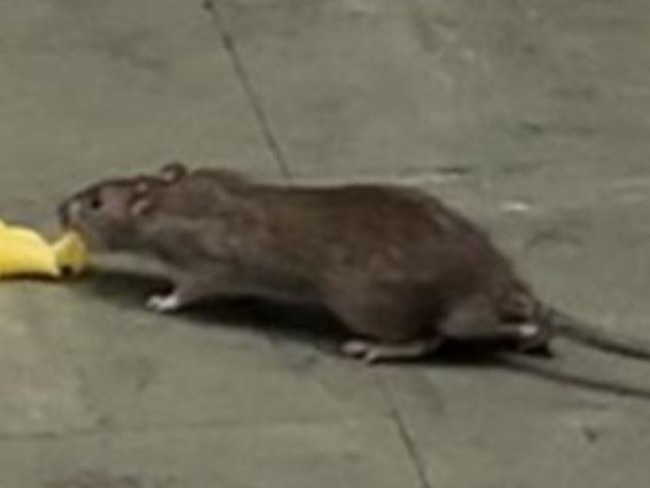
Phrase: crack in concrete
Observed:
(229, 45)
(228, 42)
(409, 443)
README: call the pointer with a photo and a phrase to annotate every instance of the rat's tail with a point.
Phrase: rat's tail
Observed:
(542, 367)
(575, 329)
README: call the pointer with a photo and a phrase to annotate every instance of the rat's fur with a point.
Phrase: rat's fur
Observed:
(402, 271)
(395, 265)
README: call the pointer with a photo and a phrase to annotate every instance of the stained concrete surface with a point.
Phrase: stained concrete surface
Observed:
(531, 116)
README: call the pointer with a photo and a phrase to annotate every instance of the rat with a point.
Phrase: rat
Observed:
(403, 272)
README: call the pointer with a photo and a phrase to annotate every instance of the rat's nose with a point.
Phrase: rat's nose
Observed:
(68, 211)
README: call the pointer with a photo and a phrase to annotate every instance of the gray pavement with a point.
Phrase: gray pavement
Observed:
(530, 116)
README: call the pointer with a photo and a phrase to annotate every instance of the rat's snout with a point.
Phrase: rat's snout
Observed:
(69, 211)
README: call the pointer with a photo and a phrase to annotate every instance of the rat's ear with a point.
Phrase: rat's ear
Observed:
(141, 188)
(141, 202)
(174, 171)
(141, 206)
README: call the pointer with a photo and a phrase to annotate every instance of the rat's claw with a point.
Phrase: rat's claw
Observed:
(372, 352)
(363, 350)
(163, 303)
(355, 348)
(526, 331)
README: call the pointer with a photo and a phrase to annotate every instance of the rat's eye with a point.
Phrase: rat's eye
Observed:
(95, 202)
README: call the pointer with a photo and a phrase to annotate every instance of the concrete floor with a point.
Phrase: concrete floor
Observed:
(531, 116)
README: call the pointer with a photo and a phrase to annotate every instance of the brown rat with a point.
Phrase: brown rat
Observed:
(402, 271)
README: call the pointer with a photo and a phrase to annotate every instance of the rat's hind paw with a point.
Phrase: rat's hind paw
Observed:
(163, 303)
(371, 352)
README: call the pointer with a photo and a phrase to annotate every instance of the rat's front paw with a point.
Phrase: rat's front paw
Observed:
(163, 303)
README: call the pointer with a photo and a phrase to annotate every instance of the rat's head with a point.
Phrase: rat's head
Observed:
(108, 215)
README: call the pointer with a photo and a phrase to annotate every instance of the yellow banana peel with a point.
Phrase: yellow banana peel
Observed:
(71, 253)
(24, 252)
